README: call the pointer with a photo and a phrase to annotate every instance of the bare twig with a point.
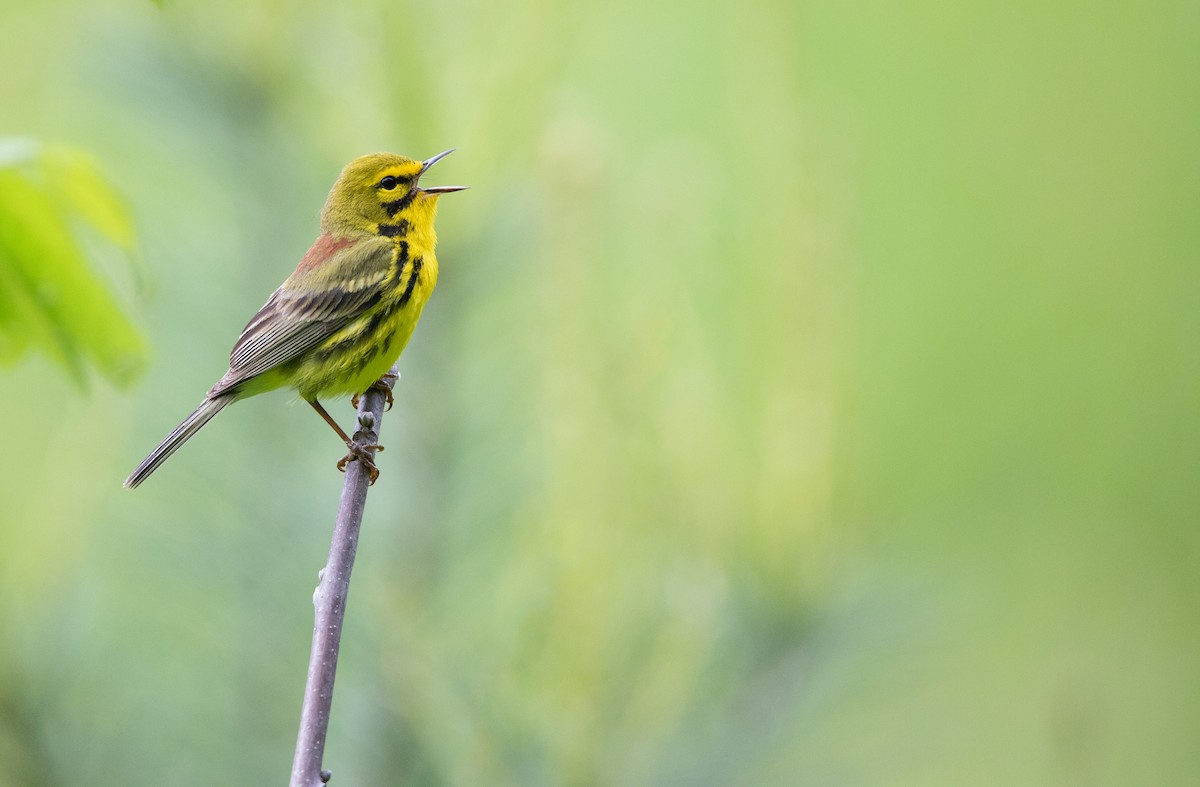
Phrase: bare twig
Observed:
(329, 600)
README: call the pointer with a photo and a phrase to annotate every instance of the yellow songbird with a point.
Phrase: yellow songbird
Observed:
(343, 317)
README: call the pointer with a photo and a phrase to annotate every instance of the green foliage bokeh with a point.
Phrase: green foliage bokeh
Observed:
(51, 301)
(809, 397)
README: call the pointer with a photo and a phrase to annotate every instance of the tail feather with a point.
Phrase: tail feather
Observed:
(177, 437)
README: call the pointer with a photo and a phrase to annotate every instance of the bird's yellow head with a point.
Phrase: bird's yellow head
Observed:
(381, 190)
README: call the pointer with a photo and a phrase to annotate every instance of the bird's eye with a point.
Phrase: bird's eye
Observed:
(388, 183)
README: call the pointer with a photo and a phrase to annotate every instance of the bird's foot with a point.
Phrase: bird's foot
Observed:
(382, 384)
(361, 453)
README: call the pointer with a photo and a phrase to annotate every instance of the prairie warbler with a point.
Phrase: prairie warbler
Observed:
(342, 318)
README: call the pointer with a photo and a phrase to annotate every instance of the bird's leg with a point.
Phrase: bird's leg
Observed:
(358, 451)
(383, 387)
(329, 420)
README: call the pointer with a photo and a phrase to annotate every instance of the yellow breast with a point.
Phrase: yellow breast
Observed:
(349, 361)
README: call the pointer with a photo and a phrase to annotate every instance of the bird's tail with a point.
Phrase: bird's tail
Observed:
(178, 437)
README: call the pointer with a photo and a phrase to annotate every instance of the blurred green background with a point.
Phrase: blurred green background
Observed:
(809, 397)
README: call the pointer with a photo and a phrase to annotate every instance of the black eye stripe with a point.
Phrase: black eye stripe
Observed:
(391, 182)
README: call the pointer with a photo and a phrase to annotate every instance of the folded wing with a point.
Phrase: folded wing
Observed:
(319, 299)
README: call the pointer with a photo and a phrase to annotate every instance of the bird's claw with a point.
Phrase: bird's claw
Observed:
(361, 453)
(379, 385)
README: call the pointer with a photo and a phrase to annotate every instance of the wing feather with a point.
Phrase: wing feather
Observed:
(310, 307)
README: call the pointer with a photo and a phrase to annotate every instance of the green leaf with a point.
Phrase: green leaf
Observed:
(52, 300)
(75, 179)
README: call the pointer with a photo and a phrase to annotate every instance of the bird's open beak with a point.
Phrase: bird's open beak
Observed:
(429, 162)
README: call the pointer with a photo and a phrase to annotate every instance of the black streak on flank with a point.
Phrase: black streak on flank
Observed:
(393, 281)
(377, 319)
(367, 356)
(363, 337)
(398, 266)
(417, 264)
(367, 334)
(397, 205)
(401, 228)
